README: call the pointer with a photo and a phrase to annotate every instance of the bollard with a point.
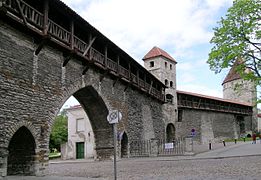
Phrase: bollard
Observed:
(235, 141)
(209, 146)
(224, 143)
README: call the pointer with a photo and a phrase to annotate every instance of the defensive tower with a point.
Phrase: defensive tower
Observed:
(163, 66)
(237, 89)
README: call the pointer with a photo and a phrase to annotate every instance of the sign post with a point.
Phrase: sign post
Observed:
(113, 118)
(193, 134)
(115, 149)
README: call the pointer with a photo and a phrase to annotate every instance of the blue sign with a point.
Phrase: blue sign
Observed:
(193, 132)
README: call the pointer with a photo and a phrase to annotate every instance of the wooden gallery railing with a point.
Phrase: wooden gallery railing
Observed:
(226, 107)
(35, 20)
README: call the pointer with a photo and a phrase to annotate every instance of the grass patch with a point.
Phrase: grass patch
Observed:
(54, 155)
(240, 139)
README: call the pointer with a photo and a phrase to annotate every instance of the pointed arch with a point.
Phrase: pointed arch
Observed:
(21, 156)
(124, 145)
(170, 132)
(23, 123)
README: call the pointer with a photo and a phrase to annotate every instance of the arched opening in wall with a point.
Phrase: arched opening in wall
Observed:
(170, 133)
(21, 155)
(89, 135)
(241, 123)
(169, 98)
(166, 82)
(124, 145)
(171, 84)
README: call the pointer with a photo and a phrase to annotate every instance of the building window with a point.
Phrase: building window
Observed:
(151, 63)
(166, 64)
(170, 66)
(171, 84)
(166, 82)
(80, 125)
(180, 114)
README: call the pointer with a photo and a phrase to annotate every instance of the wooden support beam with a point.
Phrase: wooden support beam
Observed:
(118, 64)
(105, 56)
(41, 44)
(151, 83)
(46, 14)
(86, 68)
(89, 46)
(102, 76)
(163, 93)
(3, 11)
(127, 86)
(164, 99)
(115, 81)
(138, 77)
(129, 64)
(67, 58)
(72, 35)
(21, 12)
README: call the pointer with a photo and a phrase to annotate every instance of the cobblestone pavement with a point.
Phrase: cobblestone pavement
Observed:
(248, 168)
(207, 166)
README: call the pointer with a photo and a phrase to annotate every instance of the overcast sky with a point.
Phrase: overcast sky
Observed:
(183, 28)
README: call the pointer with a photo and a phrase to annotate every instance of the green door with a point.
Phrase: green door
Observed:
(80, 150)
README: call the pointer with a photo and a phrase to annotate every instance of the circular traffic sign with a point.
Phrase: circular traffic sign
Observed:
(114, 116)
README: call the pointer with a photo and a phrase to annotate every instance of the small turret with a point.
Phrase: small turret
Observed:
(163, 66)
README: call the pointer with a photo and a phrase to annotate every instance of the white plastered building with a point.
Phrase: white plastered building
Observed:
(80, 144)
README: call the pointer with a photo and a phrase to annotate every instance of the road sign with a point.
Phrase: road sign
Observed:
(193, 132)
(114, 116)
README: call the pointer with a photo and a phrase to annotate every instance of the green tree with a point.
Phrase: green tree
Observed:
(237, 37)
(59, 132)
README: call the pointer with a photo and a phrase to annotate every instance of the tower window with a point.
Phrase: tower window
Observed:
(166, 82)
(171, 84)
(170, 66)
(169, 98)
(166, 64)
(151, 63)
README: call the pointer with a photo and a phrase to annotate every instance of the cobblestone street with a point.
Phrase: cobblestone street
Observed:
(237, 162)
(146, 169)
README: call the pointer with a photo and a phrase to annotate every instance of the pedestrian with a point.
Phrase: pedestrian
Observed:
(254, 138)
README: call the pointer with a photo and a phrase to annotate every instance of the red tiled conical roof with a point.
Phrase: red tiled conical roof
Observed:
(233, 74)
(156, 52)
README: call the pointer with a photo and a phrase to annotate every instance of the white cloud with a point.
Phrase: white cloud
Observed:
(201, 89)
(186, 66)
(178, 27)
(192, 65)
(187, 78)
(136, 26)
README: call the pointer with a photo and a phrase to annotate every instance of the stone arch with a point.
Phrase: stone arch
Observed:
(21, 156)
(13, 129)
(96, 109)
(170, 132)
(124, 145)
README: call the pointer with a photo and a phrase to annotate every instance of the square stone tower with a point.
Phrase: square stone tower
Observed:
(163, 66)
